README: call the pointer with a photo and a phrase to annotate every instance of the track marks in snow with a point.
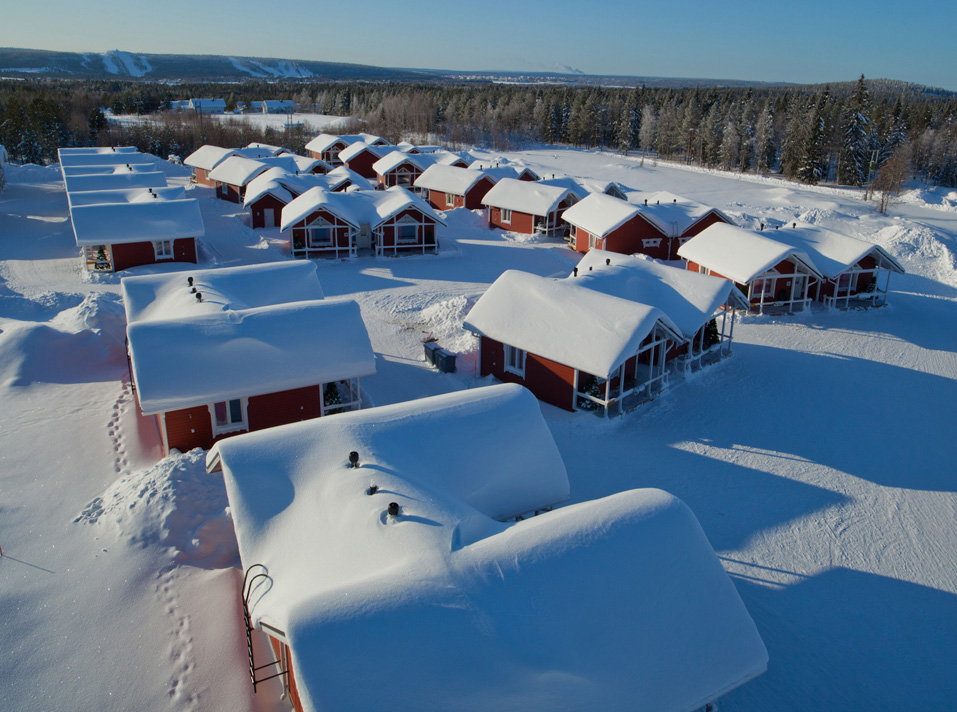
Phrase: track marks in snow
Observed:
(179, 646)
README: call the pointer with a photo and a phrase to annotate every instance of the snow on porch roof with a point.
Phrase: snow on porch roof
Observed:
(450, 179)
(525, 196)
(600, 214)
(123, 223)
(564, 322)
(169, 295)
(457, 610)
(198, 360)
(114, 181)
(832, 252)
(689, 298)
(739, 254)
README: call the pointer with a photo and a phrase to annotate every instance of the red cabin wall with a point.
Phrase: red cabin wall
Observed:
(232, 193)
(188, 428)
(362, 164)
(475, 194)
(260, 206)
(521, 222)
(285, 407)
(551, 382)
(388, 232)
(277, 648)
(134, 254)
(202, 178)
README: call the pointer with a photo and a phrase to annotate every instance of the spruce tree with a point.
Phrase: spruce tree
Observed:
(855, 149)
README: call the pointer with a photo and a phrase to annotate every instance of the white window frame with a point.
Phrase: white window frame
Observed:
(407, 221)
(320, 225)
(506, 216)
(163, 249)
(450, 200)
(232, 426)
(515, 360)
(650, 242)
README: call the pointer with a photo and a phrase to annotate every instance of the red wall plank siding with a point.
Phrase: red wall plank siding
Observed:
(551, 382)
(284, 407)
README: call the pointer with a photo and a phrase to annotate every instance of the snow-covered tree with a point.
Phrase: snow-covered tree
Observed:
(855, 146)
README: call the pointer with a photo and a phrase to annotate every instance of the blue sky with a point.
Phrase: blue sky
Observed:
(760, 40)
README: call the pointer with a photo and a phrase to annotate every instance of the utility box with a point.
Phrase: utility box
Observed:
(445, 361)
(431, 347)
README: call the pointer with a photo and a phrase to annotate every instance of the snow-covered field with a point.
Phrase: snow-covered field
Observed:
(818, 459)
(315, 123)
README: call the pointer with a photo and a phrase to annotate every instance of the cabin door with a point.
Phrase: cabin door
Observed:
(364, 241)
(269, 217)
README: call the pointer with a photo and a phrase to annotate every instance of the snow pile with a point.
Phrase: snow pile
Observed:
(83, 343)
(938, 198)
(444, 321)
(921, 249)
(174, 504)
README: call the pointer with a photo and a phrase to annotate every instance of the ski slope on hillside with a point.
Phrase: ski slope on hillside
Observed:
(817, 458)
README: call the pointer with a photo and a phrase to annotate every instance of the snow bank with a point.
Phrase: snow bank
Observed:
(174, 504)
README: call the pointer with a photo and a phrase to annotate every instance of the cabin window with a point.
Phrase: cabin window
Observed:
(450, 200)
(407, 231)
(228, 416)
(514, 360)
(594, 243)
(651, 242)
(762, 286)
(506, 216)
(320, 233)
(163, 249)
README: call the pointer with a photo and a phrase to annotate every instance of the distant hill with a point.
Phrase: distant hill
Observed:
(21, 63)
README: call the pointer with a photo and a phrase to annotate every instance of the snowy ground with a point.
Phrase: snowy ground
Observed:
(817, 458)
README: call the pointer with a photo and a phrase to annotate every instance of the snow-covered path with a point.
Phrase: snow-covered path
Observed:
(818, 458)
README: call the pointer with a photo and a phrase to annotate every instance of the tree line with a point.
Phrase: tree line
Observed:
(842, 134)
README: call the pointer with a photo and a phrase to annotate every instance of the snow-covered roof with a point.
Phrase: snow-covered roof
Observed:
(208, 104)
(599, 214)
(196, 360)
(118, 169)
(208, 157)
(450, 179)
(114, 181)
(324, 141)
(105, 159)
(254, 152)
(525, 196)
(565, 322)
(688, 298)
(259, 329)
(422, 161)
(670, 213)
(90, 150)
(121, 223)
(614, 604)
(360, 207)
(740, 254)
(355, 149)
(283, 104)
(237, 170)
(503, 170)
(285, 186)
(273, 149)
(831, 252)
(128, 195)
(307, 165)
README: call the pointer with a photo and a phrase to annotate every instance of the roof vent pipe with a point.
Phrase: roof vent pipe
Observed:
(353, 459)
(575, 272)
(762, 227)
(393, 509)
(794, 224)
(676, 201)
(657, 202)
(193, 290)
(199, 296)
(372, 489)
(589, 269)
(646, 201)
(189, 281)
(608, 260)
